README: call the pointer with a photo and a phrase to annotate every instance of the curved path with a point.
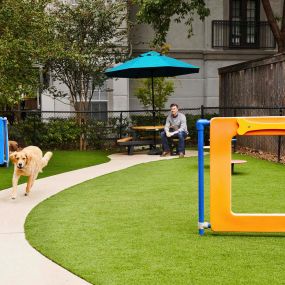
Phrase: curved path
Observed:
(19, 262)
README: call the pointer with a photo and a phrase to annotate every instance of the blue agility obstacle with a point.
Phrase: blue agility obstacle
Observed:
(4, 146)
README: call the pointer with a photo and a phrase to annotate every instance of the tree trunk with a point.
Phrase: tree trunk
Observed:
(83, 142)
(281, 45)
(82, 124)
(279, 34)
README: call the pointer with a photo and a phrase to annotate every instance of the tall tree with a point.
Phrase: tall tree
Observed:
(159, 13)
(22, 40)
(88, 37)
(277, 29)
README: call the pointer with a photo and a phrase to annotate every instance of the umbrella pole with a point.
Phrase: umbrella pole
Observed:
(154, 150)
(153, 110)
(152, 94)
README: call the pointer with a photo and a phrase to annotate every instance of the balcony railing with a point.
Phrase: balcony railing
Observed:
(242, 34)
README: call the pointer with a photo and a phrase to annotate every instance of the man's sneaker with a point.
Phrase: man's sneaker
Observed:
(181, 155)
(165, 153)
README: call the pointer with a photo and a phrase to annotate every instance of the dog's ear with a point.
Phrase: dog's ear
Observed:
(12, 156)
(28, 157)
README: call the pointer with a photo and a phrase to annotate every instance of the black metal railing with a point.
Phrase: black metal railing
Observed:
(242, 34)
(63, 129)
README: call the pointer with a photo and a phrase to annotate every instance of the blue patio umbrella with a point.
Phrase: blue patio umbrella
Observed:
(149, 65)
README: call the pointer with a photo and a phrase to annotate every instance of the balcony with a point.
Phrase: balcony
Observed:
(242, 34)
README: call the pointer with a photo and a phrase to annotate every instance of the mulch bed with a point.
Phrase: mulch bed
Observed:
(260, 154)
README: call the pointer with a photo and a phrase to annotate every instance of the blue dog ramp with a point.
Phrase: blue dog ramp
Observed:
(4, 146)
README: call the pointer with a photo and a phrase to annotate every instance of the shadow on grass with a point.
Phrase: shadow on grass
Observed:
(247, 234)
(237, 173)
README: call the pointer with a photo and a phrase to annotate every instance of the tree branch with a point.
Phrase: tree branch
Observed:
(279, 35)
(283, 20)
(271, 19)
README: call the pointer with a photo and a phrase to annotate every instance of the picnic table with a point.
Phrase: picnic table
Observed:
(131, 141)
(148, 128)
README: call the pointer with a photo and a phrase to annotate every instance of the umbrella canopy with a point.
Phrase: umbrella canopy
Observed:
(151, 64)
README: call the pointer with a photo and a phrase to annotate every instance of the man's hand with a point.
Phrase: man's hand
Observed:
(170, 134)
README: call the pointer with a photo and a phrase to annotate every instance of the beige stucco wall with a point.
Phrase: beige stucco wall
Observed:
(141, 35)
(203, 88)
(190, 90)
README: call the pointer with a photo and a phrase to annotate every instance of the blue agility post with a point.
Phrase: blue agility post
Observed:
(200, 125)
(4, 146)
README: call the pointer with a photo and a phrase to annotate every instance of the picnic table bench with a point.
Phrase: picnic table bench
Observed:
(131, 142)
(139, 140)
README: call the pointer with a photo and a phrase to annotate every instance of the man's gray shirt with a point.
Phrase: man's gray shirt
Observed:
(177, 123)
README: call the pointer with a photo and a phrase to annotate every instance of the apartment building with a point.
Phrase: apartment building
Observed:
(235, 31)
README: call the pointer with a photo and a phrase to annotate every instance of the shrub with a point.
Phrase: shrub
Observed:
(61, 134)
(28, 131)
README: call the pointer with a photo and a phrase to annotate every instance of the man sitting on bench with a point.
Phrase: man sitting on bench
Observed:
(175, 127)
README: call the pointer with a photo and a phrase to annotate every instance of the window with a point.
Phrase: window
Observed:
(99, 103)
(100, 109)
(99, 93)
(244, 19)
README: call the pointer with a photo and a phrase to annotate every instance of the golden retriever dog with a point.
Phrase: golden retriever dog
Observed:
(13, 146)
(28, 162)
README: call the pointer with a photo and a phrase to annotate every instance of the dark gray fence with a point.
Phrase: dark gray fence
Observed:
(63, 130)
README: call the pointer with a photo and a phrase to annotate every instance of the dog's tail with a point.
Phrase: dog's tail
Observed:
(46, 158)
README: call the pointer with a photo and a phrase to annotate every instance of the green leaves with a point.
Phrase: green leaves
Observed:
(162, 90)
(76, 42)
(159, 13)
(22, 38)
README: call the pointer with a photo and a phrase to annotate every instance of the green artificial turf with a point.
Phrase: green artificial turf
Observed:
(61, 161)
(139, 226)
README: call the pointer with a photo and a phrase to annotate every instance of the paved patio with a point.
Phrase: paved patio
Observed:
(20, 263)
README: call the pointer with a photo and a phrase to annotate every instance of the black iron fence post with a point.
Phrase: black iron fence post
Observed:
(202, 111)
(121, 124)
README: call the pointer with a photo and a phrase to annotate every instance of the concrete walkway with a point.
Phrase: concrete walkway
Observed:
(19, 262)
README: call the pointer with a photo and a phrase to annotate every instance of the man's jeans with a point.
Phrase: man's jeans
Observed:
(181, 143)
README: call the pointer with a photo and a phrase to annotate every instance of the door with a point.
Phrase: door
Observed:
(244, 23)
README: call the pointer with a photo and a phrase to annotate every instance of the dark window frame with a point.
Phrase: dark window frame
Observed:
(243, 29)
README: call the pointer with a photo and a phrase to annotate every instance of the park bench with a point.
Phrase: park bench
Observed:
(131, 142)
(233, 161)
(236, 161)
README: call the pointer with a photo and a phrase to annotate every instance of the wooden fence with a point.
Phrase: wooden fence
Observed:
(256, 83)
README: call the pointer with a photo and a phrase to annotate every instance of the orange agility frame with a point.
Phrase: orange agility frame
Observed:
(222, 130)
